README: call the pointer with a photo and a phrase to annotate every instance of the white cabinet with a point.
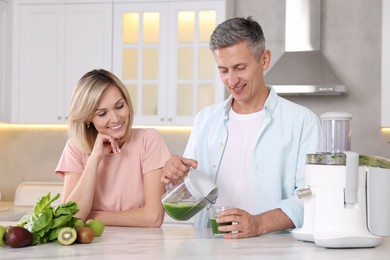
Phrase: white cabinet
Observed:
(159, 48)
(55, 45)
(40, 89)
(5, 67)
(160, 52)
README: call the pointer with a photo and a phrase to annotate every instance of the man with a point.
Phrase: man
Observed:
(253, 144)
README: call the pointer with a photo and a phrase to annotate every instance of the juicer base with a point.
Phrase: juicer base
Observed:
(338, 241)
(300, 234)
(348, 241)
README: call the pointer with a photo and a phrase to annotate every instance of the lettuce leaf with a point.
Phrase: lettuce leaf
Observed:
(45, 221)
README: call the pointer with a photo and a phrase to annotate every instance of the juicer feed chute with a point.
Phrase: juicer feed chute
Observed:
(336, 132)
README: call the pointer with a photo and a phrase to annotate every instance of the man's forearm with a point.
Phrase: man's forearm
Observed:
(273, 220)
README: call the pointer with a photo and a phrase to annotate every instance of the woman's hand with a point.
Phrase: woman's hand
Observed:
(176, 168)
(104, 145)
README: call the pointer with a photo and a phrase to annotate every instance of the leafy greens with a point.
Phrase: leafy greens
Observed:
(45, 221)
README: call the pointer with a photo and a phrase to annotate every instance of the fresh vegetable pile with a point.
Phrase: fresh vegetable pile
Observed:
(45, 221)
(47, 224)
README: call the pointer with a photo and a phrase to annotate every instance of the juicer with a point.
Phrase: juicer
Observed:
(346, 195)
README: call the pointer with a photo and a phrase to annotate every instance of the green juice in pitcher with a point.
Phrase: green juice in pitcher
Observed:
(189, 196)
(183, 210)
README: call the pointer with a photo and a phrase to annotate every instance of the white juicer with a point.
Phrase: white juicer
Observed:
(346, 203)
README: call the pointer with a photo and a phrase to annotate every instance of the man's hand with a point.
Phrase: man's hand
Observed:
(247, 225)
(176, 168)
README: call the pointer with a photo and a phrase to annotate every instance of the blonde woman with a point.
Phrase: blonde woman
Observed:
(111, 170)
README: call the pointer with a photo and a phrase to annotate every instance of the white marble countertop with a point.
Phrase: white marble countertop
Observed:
(172, 242)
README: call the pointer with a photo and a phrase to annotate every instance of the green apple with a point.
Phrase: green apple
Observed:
(3, 230)
(97, 226)
(78, 223)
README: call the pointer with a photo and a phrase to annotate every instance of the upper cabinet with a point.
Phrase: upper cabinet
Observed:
(158, 48)
(161, 54)
(39, 83)
(55, 44)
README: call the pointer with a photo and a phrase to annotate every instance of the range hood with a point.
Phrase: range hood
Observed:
(302, 69)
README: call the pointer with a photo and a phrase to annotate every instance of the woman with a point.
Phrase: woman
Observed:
(110, 170)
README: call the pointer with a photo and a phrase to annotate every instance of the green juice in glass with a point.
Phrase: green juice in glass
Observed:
(214, 226)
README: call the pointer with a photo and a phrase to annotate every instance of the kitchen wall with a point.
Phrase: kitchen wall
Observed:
(31, 153)
(28, 154)
(351, 41)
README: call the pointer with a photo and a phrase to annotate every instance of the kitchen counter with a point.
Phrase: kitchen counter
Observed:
(10, 212)
(172, 242)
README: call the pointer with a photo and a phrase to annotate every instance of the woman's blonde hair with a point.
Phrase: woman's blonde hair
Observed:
(85, 99)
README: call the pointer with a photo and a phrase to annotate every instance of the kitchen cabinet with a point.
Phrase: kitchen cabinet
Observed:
(5, 104)
(160, 52)
(56, 43)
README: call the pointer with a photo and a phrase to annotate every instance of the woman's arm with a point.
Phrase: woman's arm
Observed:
(150, 215)
(80, 188)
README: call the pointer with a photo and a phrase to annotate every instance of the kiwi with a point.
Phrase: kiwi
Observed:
(66, 236)
(85, 235)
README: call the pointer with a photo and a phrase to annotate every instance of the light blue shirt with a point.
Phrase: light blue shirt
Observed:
(288, 133)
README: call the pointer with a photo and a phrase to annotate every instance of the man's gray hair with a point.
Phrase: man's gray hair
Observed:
(235, 30)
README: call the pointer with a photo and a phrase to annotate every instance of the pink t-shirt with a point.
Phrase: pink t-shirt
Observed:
(119, 184)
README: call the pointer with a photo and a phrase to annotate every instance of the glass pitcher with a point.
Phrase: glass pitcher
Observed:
(189, 196)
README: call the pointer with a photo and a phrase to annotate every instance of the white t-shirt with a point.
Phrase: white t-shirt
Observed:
(236, 178)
